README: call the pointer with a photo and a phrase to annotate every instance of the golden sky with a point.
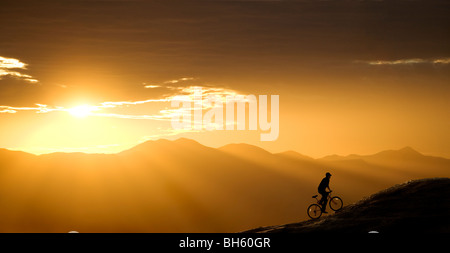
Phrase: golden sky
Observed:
(352, 77)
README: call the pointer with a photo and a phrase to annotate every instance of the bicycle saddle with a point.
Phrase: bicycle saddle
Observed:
(314, 196)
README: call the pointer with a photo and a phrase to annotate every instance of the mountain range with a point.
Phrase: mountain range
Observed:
(183, 186)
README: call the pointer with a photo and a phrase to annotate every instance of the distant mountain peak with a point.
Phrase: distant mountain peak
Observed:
(295, 155)
(8, 152)
(243, 147)
(164, 144)
(408, 149)
(333, 157)
(186, 141)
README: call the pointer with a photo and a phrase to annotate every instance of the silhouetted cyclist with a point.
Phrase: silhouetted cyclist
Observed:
(324, 184)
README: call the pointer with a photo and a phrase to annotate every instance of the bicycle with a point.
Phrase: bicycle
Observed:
(315, 210)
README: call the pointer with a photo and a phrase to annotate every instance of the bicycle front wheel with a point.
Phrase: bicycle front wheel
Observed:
(314, 211)
(336, 203)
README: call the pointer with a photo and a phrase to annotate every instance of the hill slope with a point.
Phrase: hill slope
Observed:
(412, 207)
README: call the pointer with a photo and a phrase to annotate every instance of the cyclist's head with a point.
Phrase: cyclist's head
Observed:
(328, 174)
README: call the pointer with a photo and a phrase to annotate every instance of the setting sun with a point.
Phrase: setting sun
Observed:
(222, 117)
(82, 111)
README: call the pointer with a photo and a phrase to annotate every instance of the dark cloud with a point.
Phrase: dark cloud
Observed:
(126, 43)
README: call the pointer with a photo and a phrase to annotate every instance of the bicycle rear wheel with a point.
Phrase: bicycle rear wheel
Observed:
(336, 203)
(314, 211)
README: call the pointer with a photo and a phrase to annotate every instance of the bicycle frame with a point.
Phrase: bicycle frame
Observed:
(318, 200)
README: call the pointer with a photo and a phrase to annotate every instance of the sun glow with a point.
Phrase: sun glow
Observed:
(82, 111)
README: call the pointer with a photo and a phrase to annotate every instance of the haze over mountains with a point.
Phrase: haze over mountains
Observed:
(183, 186)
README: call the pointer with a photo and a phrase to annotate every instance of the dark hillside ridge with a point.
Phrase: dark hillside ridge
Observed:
(417, 206)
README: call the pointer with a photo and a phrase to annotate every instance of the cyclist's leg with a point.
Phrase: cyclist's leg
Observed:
(324, 200)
